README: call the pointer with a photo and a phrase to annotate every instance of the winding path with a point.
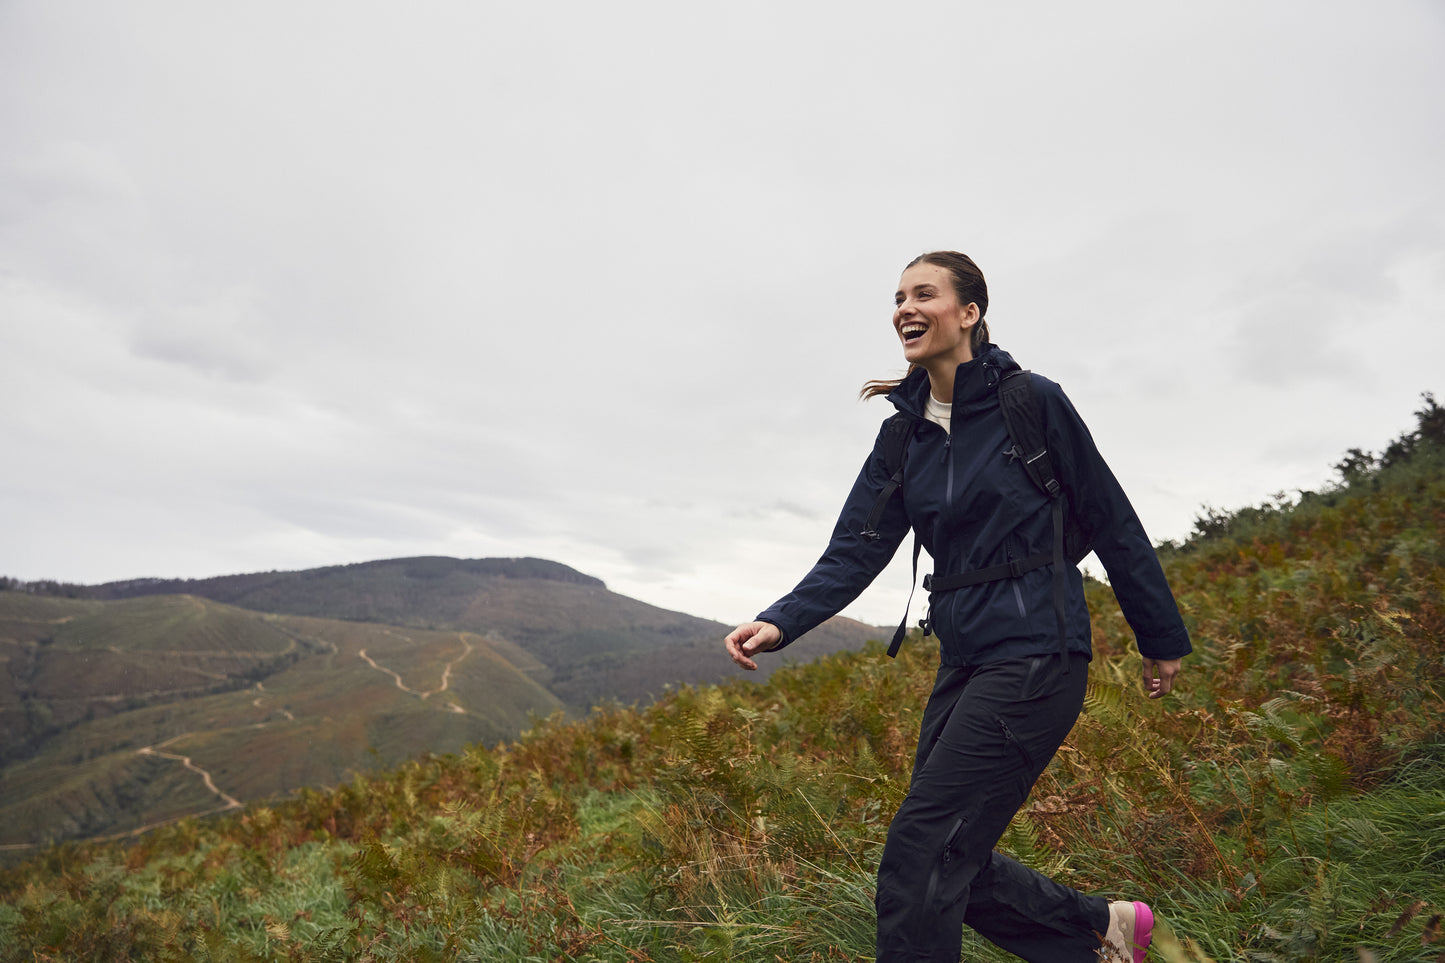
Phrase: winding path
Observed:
(446, 673)
(228, 801)
(231, 801)
(257, 703)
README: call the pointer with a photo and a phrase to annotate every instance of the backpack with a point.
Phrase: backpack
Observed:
(1023, 416)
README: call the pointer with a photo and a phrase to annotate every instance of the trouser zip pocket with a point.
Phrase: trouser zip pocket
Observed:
(1008, 735)
(925, 910)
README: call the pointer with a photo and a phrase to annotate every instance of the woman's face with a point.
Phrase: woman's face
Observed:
(933, 326)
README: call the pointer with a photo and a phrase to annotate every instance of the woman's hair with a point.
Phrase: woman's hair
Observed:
(969, 285)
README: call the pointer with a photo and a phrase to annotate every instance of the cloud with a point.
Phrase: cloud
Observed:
(1312, 311)
(216, 339)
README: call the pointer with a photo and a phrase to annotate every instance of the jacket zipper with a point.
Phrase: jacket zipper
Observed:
(948, 460)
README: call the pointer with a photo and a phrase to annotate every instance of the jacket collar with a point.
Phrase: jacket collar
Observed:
(973, 384)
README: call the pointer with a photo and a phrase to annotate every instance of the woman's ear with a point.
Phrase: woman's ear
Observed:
(970, 315)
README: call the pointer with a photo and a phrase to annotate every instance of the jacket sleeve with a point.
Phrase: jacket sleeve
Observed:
(1118, 538)
(851, 562)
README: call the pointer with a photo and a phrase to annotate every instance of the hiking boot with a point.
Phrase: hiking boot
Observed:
(1131, 927)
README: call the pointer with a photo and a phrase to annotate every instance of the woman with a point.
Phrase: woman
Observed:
(1012, 675)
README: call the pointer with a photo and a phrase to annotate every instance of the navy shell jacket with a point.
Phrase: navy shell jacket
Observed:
(971, 506)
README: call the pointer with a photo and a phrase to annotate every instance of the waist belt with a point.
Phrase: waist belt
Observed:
(1010, 569)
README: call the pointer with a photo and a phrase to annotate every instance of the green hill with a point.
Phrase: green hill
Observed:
(104, 699)
(116, 708)
(596, 645)
(1287, 803)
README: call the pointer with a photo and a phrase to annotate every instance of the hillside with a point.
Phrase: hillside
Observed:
(101, 702)
(597, 645)
(126, 708)
(1286, 803)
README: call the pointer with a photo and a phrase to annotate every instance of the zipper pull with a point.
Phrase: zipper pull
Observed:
(947, 444)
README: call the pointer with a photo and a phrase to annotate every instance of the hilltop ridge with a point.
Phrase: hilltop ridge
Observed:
(595, 644)
(234, 588)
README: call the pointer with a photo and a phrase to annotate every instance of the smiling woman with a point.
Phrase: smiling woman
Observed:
(963, 454)
(942, 293)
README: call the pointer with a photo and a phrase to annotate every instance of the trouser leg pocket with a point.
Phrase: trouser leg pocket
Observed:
(926, 913)
(1023, 772)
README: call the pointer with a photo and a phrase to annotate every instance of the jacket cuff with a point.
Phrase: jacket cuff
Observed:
(1175, 645)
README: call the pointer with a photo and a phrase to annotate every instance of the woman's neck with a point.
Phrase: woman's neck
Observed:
(941, 372)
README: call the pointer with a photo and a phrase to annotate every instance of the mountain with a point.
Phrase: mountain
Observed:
(120, 714)
(133, 703)
(596, 645)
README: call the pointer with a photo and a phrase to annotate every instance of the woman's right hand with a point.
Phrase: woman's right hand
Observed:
(749, 639)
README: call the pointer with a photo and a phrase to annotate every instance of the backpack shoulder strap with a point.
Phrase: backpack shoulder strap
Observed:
(1026, 430)
(1023, 415)
(1024, 419)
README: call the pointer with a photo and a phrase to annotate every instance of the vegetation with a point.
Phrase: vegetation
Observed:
(114, 710)
(103, 703)
(591, 645)
(1287, 804)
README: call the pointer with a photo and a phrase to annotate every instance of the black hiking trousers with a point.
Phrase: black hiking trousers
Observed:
(987, 734)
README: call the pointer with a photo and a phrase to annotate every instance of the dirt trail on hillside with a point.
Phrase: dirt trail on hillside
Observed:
(126, 834)
(231, 801)
(257, 703)
(228, 802)
(446, 672)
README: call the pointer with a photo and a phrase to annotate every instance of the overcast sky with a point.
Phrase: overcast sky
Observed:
(296, 284)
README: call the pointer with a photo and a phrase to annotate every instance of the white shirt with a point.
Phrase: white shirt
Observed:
(939, 412)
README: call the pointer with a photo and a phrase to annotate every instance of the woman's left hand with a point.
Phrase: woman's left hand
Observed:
(1167, 669)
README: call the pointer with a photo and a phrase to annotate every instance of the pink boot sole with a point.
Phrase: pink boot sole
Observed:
(1143, 930)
